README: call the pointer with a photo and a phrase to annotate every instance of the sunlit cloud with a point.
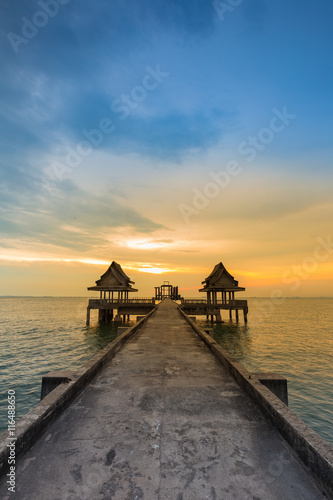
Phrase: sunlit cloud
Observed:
(25, 258)
(146, 244)
(155, 270)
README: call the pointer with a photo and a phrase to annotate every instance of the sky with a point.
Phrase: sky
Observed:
(167, 136)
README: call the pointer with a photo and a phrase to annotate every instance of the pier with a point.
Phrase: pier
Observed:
(168, 415)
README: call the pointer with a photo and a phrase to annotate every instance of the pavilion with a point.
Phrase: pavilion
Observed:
(220, 287)
(114, 284)
(220, 281)
(114, 287)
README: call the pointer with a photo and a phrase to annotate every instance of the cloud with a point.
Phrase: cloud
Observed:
(66, 77)
(63, 214)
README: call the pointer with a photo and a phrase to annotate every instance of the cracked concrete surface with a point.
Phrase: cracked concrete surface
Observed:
(163, 420)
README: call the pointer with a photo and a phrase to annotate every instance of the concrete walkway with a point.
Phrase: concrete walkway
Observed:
(162, 421)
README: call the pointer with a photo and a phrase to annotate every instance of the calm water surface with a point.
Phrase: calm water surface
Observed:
(293, 338)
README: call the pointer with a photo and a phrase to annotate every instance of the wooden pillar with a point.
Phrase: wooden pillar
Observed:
(101, 315)
(245, 315)
(108, 314)
(237, 315)
(230, 314)
(88, 316)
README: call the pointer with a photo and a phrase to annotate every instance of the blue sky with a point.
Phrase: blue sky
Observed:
(176, 87)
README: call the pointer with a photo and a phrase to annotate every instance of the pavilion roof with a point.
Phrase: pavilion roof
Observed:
(220, 279)
(114, 279)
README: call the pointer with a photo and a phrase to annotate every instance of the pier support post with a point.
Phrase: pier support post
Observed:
(230, 314)
(237, 318)
(88, 316)
(117, 318)
(275, 383)
(245, 315)
(52, 379)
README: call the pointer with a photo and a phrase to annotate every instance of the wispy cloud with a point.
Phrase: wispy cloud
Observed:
(67, 217)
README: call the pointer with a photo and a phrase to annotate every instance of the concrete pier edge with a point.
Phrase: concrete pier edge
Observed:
(34, 424)
(315, 453)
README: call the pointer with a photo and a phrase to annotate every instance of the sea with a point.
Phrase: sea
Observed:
(290, 336)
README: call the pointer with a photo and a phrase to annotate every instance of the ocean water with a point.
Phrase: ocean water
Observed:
(293, 337)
